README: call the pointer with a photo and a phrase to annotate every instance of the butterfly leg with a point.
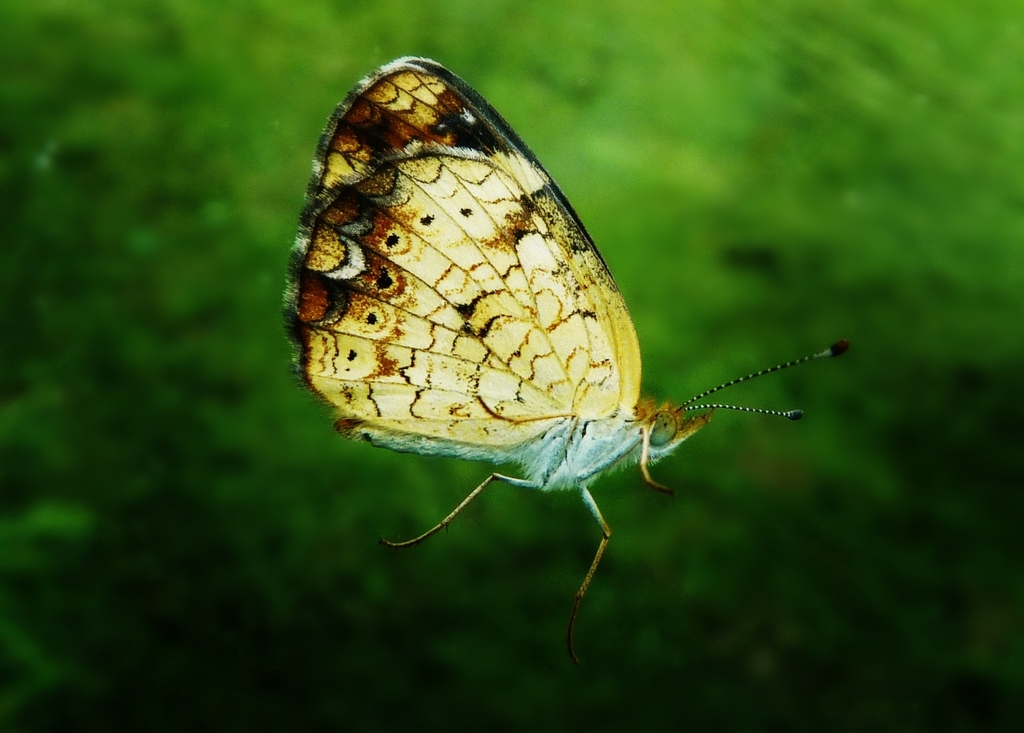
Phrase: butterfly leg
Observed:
(472, 495)
(606, 535)
(645, 457)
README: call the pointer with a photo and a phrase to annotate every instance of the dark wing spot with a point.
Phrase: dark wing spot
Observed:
(371, 319)
(351, 355)
(463, 128)
(384, 281)
(490, 322)
(392, 240)
(466, 211)
(426, 220)
(458, 411)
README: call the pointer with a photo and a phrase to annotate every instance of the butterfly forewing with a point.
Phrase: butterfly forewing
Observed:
(444, 296)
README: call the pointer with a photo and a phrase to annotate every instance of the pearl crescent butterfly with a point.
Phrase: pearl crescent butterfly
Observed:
(445, 299)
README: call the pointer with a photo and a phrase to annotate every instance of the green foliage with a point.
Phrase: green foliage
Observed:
(186, 544)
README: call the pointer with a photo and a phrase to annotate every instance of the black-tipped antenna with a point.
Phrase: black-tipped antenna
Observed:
(836, 349)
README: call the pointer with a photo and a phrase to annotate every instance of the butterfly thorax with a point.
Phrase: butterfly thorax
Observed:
(575, 451)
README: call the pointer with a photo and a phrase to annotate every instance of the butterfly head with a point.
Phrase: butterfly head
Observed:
(668, 426)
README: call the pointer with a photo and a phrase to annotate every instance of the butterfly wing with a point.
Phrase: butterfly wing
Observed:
(443, 295)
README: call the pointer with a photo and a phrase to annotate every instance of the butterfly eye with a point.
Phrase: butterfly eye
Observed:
(664, 429)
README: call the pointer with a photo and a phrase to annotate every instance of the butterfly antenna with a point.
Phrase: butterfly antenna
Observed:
(836, 349)
(791, 414)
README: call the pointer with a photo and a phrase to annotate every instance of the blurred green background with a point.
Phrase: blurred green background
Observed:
(186, 544)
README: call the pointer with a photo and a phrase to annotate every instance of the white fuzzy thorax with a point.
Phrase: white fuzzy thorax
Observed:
(573, 452)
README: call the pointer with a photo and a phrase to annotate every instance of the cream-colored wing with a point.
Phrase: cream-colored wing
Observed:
(443, 295)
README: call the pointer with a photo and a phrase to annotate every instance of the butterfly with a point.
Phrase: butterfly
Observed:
(445, 299)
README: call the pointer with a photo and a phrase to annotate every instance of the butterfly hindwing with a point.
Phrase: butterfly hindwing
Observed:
(442, 289)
